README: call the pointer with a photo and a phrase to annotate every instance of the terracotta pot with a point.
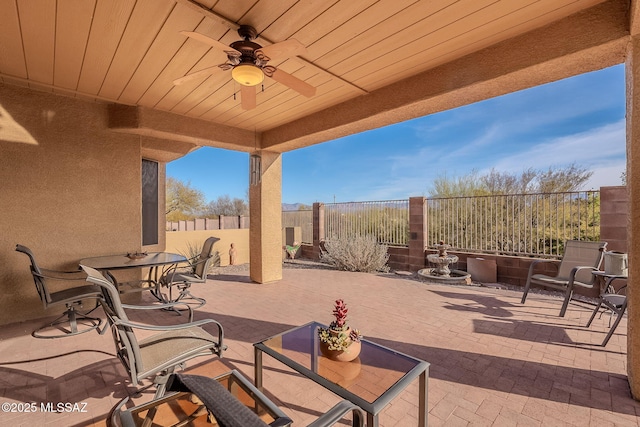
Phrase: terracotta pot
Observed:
(340, 373)
(347, 355)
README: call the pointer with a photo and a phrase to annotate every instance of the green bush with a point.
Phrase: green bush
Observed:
(356, 253)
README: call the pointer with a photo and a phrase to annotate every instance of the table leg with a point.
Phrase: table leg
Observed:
(257, 368)
(372, 420)
(422, 396)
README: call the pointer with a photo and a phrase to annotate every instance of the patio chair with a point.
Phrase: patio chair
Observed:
(614, 301)
(71, 298)
(227, 405)
(580, 259)
(182, 276)
(157, 355)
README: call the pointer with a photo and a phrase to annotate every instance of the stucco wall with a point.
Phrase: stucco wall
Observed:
(76, 194)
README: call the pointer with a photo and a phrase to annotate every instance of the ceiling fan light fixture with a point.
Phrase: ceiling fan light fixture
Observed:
(247, 75)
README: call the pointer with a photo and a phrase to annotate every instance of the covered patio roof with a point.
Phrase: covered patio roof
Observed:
(373, 63)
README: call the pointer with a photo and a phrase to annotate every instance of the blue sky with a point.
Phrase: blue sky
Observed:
(579, 120)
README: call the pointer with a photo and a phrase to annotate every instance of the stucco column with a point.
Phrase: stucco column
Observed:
(265, 220)
(633, 225)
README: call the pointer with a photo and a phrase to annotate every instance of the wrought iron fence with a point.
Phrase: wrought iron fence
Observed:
(520, 224)
(387, 220)
(302, 219)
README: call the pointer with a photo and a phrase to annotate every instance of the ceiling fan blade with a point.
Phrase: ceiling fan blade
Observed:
(294, 83)
(248, 97)
(283, 50)
(211, 42)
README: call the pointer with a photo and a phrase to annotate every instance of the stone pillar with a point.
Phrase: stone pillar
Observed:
(265, 220)
(633, 224)
(417, 232)
(614, 206)
(318, 228)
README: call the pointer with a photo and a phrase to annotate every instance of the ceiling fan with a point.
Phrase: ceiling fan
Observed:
(248, 62)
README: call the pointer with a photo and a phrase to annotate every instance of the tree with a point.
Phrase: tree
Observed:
(569, 178)
(183, 201)
(489, 212)
(225, 205)
(466, 185)
(506, 183)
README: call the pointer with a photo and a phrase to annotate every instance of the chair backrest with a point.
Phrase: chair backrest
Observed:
(204, 260)
(38, 279)
(127, 346)
(580, 253)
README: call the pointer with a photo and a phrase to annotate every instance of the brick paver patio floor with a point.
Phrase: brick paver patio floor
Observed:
(493, 360)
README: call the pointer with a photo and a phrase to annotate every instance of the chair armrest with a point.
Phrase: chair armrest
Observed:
(575, 271)
(164, 306)
(335, 414)
(198, 323)
(172, 327)
(536, 262)
(170, 273)
(60, 275)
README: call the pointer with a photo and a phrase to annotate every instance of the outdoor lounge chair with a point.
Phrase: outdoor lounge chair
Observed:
(181, 277)
(71, 298)
(580, 259)
(157, 355)
(614, 301)
(228, 405)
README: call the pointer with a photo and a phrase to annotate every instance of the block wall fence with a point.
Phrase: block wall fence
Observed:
(510, 269)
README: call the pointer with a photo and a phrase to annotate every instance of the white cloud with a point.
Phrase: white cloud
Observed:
(593, 149)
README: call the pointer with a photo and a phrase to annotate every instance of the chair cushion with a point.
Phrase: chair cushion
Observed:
(75, 294)
(187, 277)
(228, 411)
(616, 300)
(169, 348)
(557, 283)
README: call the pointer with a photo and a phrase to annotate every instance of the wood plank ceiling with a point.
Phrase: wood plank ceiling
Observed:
(130, 51)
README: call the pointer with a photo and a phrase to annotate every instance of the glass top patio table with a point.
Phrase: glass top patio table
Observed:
(371, 381)
(118, 262)
(152, 260)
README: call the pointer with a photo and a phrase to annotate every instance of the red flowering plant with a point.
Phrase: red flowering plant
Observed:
(339, 336)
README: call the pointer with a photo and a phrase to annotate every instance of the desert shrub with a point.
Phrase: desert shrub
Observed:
(356, 253)
(194, 249)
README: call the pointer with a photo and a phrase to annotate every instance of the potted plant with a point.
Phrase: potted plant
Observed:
(339, 341)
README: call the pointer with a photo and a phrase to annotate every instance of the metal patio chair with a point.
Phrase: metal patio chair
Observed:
(183, 276)
(616, 302)
(71, 298)
(238, 404)
(580, 259)
(157, 355)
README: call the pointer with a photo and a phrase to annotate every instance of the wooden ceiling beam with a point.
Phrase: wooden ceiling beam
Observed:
(173, 127)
